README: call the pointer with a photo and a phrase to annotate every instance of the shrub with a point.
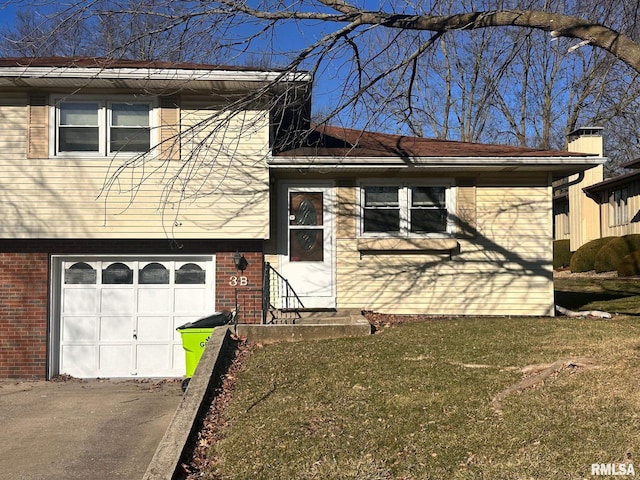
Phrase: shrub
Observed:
(583, 259)
(629, 265)
(561, 253)
(609, 256)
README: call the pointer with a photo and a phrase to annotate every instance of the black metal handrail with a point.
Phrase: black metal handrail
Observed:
(277, 289)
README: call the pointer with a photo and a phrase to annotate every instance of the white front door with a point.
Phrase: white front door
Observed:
(117, 317)
(306, 226)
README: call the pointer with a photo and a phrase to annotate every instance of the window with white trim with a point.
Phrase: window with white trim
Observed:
(406, 209)
(96, 126)
(619, 207)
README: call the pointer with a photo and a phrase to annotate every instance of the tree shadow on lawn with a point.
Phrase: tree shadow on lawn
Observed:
(576, 300)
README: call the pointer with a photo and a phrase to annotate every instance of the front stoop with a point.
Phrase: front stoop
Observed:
(311, 326)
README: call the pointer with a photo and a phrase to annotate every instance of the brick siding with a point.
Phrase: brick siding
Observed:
(23, 315)
(246, 285)
(24, 288)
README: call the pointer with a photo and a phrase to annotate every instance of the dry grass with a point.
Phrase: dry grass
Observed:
(415, 402)
(591, 291)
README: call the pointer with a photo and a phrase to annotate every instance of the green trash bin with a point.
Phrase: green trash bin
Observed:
(195, 336)
(193, 341)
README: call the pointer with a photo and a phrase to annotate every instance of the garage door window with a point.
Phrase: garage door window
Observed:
(117, 274)
(80, 274)
(154, 274)
(190, 273)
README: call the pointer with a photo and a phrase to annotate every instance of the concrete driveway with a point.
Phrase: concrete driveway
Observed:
(83, 429)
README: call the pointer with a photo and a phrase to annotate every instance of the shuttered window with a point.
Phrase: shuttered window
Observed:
(102, 126)
(90, 125)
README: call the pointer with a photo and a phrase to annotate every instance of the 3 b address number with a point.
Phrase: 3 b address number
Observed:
(236, 281)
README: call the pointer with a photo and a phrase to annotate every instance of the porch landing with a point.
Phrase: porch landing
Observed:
(313, 325)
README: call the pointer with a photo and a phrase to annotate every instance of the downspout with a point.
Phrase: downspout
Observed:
(572, 182)
(577, 180)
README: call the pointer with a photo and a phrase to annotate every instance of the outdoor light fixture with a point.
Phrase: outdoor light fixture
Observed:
(240, 262)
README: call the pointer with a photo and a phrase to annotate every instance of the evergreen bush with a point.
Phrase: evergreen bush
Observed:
(629, 266)
(583, 259)
(561, 254)
(609, 256)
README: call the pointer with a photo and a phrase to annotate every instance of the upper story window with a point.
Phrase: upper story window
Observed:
(102, 126)
(406, 210)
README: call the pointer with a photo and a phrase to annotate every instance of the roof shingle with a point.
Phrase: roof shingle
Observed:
(344, 142)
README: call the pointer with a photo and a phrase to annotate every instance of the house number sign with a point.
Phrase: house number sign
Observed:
(241, 281)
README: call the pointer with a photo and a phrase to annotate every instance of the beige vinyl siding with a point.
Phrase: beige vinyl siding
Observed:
(561, 224)
(504, 270)
(224, 196)
(633, 211)
(584, 212)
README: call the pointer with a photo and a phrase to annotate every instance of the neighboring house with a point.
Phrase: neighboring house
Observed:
(618, 201)
(139, 196)
(586, 206)
(576, 216)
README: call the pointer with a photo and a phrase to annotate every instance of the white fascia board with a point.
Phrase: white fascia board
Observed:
(152, 74)
(434, 162)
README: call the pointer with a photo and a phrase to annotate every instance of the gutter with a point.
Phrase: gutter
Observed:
(431, 161)
(160, 74)
(572, 182)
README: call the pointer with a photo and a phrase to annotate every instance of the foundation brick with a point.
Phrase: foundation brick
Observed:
(25, 280)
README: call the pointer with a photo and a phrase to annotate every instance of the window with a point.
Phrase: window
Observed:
(427, 209)
(190, 273)
(80, 273)
(78, 127)
(103, 127)
(381, 209)
(129, 127)
(619, 207)
(561, 214)
(406, 210)
(153, 273)
(117, 274)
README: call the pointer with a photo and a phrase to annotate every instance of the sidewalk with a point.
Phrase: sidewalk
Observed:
(83, 429)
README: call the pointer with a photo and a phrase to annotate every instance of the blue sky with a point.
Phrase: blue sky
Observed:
(7, 13)
(290, 37)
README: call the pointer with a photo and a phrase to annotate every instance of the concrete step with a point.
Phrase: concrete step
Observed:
(320, 317)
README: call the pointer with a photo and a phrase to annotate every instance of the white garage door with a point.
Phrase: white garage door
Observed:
(118, 317)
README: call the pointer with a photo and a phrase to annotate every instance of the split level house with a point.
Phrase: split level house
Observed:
(139, 196)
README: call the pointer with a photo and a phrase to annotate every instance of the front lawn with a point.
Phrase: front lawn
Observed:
(611, 294)
(441, 399)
